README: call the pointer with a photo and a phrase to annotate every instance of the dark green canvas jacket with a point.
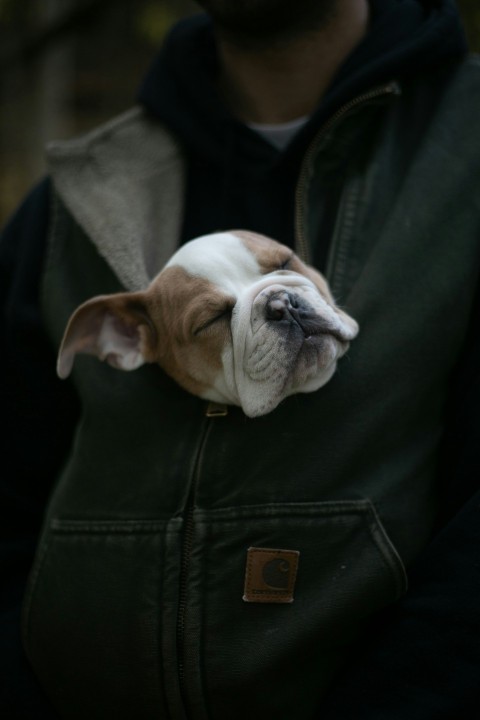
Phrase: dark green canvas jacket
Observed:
(136, 605)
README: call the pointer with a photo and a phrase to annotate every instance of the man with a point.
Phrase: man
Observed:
(348, 130)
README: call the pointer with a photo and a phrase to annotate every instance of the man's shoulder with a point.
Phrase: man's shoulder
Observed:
(469, 69)
(472, 63)
(458, 110)
(464, 81)
(444, 102)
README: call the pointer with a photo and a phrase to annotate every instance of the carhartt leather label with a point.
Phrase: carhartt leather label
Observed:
(270, 575)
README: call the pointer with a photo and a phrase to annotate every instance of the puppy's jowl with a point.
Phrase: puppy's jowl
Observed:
(233, 317)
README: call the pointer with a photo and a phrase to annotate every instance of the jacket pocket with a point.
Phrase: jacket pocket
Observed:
(106, 598)
(330, 564)
(92, 620)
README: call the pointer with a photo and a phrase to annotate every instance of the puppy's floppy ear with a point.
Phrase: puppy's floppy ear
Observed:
(115, 328)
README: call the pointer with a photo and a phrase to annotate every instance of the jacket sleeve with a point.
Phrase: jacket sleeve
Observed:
(421, 659)
(39, 414)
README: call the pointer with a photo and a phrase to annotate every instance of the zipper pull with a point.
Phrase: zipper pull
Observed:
(216, 410)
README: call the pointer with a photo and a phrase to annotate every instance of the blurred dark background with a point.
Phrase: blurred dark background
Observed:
(66, 65)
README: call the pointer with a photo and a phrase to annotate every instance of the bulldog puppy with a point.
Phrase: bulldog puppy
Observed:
(233, 317)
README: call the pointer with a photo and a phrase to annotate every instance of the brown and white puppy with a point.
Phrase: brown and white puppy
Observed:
(233, 317)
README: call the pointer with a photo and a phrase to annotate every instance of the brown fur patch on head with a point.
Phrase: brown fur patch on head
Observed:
(269, 253)
(316, 277)
(273, 256)
(189, 339)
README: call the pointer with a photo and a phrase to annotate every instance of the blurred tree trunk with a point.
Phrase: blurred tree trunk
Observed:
(470, 10)
(34, 101)
(56, 76)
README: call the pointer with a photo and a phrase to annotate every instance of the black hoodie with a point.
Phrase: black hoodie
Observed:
(252, 182)
(236, 179)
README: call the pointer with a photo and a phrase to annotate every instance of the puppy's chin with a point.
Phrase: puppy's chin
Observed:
(303, 370)
(315, 363)
(265, 381)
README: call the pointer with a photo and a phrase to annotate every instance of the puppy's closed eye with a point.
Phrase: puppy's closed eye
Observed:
(281, 262)
(285, 263)
(223, 314)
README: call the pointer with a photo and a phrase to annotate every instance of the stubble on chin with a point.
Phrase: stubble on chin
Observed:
(262, 23)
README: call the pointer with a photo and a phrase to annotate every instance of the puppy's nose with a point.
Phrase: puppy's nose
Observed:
(280, 305)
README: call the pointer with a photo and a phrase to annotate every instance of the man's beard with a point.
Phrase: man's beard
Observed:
(262, 22)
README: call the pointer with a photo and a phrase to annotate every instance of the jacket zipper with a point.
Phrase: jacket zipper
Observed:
(214, 410)
(301, 244)
(187, 547)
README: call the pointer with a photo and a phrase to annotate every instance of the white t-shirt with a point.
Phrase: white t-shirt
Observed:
(280, 135)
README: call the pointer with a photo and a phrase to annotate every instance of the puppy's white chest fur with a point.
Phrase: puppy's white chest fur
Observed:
(233, 317)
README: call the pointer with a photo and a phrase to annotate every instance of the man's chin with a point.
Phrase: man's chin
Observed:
(266, 21)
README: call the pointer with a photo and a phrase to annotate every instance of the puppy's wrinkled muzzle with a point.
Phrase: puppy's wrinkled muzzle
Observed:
(288, 308)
